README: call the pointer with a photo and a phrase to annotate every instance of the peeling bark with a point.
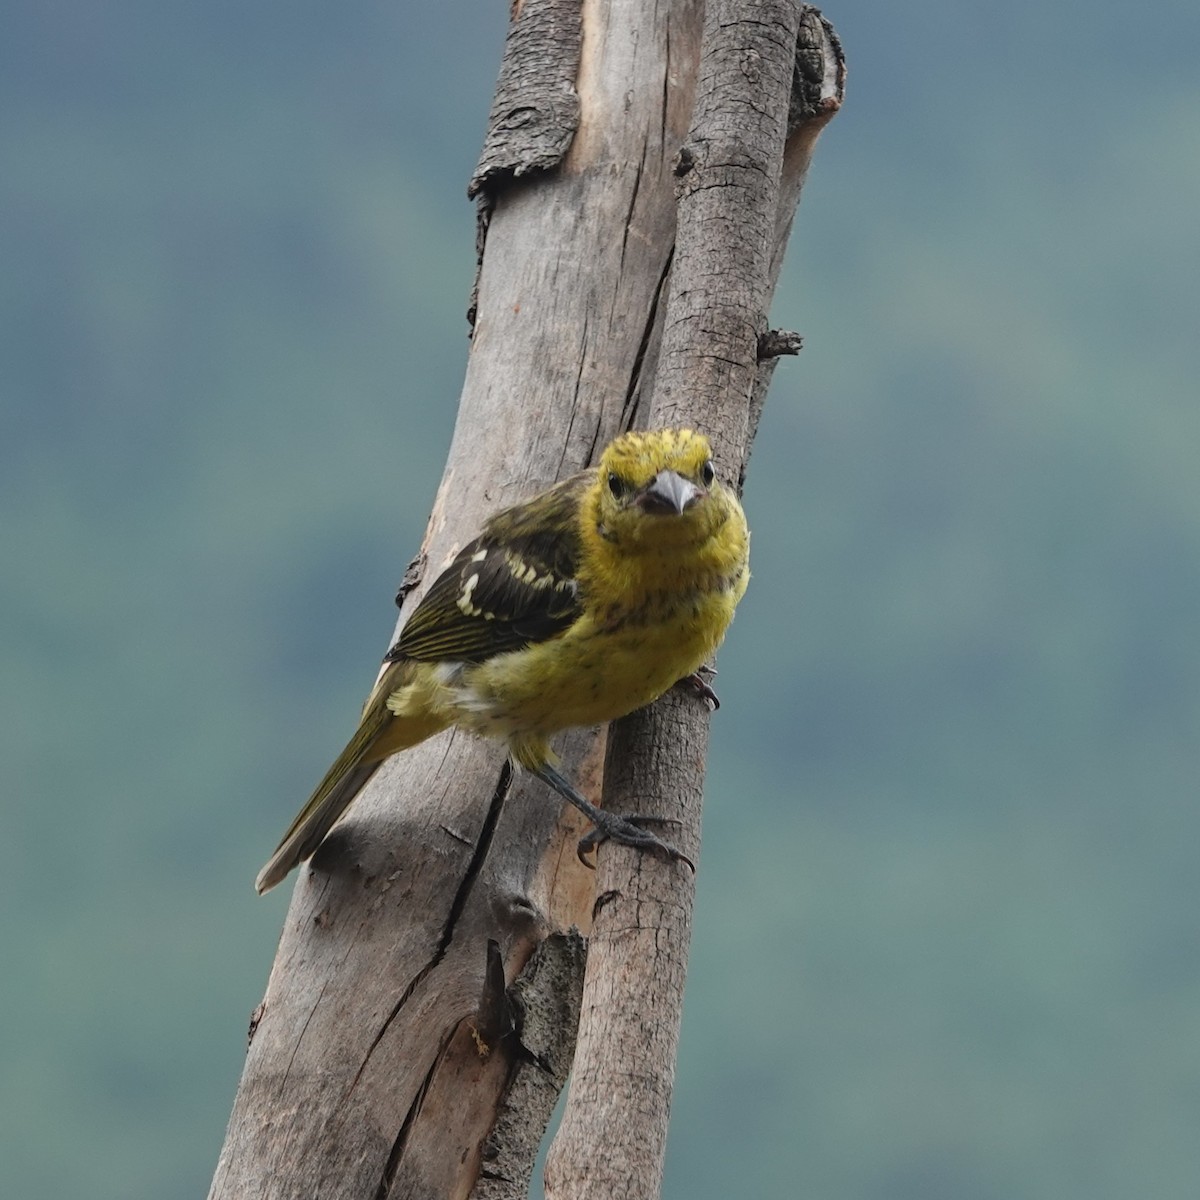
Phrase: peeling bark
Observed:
(546, 998)
(535, 110)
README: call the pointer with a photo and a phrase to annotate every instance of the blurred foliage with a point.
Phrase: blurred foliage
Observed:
(946, 942)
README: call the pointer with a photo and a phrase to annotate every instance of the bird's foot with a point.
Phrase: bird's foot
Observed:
(629, 831)
(608, 826)
(698, 681)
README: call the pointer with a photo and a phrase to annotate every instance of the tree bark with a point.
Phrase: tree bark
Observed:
(419, 1019)
(740, 171)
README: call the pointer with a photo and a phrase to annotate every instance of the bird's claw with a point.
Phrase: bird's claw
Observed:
(630, 831)
(698, 682)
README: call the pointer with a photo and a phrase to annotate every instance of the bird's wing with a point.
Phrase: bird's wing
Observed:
(512, 586)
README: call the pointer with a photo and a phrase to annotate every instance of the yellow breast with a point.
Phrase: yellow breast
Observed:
(648, 622)
(651, 615)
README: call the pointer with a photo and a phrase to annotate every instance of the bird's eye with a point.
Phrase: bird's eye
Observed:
(708, 473)
(617, 485)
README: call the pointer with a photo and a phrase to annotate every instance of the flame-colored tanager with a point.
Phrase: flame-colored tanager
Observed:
(575, 607)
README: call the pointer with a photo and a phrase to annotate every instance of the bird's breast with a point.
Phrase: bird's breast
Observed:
(612, 660)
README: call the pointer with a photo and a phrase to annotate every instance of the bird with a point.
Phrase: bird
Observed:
(574, 607)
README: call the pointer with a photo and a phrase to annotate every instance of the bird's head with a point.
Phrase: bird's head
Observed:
(658, 488)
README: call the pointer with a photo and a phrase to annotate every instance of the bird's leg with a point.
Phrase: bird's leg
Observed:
(627, 831)
(698, 681)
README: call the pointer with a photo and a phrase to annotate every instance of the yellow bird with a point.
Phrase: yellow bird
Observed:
(573, 608)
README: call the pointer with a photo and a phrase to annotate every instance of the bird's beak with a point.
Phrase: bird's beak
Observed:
(668, 492)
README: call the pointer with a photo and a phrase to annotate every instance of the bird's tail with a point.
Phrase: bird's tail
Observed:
(343, 781)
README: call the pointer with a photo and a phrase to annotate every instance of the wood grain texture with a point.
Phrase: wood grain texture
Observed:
(740, 169)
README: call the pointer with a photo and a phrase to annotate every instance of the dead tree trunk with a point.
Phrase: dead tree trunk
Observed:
(740, 170)
(420, 1017)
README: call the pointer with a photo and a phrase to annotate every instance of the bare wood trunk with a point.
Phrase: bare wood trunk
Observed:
(413, 1035)
(740, 170)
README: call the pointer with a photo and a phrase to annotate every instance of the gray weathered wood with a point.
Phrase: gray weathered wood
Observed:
(381, 965)
(740, 169)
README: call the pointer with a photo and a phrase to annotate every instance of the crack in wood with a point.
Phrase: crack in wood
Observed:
(629, 409)
(392, 1166)
(503, 784)
(633, 195)
(591, 454)
(303, 1031)
(580, 368)
(666, 85)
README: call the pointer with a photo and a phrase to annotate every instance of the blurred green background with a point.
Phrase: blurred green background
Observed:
(948, 937)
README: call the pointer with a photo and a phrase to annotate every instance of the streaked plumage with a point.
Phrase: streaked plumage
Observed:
(575, 607)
